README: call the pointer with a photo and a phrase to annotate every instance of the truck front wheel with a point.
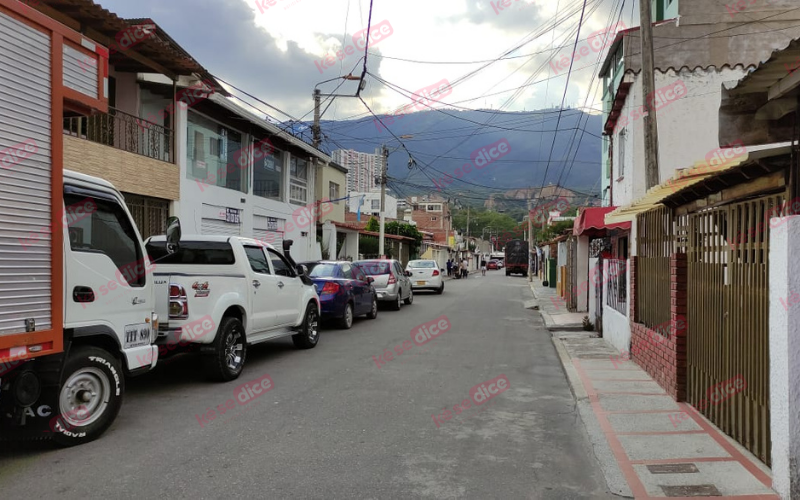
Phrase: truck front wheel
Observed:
(89, 397)
(230, 351)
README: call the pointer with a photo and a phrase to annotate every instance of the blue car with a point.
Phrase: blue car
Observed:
(344, 291)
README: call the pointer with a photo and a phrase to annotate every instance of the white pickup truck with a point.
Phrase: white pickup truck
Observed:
(224, 293)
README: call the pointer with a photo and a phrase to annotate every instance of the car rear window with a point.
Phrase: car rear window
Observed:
(424, 264)
(201, 253)
(323, 271)
(374, 268)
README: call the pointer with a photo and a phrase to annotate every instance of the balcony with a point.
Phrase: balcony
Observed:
(120, 130)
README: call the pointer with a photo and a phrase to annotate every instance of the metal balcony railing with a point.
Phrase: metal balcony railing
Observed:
(120, 130)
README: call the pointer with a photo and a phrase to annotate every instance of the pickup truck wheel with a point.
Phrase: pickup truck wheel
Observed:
(89, 397)
(308, 335)
(373, 311)
(230, 351)
(346, 322)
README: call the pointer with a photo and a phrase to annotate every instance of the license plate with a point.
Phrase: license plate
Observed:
(420, 282)
(137, 335)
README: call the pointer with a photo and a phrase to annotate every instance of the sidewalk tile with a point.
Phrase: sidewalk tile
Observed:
(730, 478)
(662, 447)
(621, 402)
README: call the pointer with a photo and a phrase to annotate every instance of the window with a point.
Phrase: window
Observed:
(376, 204)
(280, 265)
(298, 180)
(217, 156)
(196, 253)
(257, 259)
(433, 219)
(268, 175)
(347, 271)
(323, 271)
(97, 225)
(621, 158)
(359, 274)
(434, 208)
(333, 192)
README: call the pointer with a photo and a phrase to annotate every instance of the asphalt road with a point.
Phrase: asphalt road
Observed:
(337, 426)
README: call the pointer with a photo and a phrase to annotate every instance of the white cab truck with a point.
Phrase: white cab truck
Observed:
(109, 324)
(223, 293)
(76, 300)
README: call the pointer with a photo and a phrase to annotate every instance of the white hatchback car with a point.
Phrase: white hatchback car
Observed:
(425, 275)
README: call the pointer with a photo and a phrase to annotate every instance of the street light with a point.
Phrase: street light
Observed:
(315, 130)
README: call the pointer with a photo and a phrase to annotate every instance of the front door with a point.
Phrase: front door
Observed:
(290, 289)
(263, 290)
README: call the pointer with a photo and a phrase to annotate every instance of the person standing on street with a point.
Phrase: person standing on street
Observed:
(464, 268)
(449, 267)
(483, 266)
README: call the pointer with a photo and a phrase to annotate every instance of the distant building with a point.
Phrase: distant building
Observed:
(372, 204)
(362, 168)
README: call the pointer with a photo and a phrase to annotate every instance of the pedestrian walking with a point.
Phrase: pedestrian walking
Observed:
(464, 268)
(483, 267)
(449, 267)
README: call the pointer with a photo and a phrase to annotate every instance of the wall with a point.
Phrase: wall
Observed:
(128, 172)
(663, 358)
(127, 94)
(582, 277)
(687, 129)
(592, 295)
(326, 175)
(391, 203)
(784, 349)
(199, 200)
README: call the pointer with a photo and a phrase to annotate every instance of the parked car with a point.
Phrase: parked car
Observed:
(227, 293)
(492, 264)
(344, 291)
(425, 275)
(391, 282)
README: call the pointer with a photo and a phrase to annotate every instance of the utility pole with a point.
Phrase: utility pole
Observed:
(648, 88)
(530, 241)
(315, 129)
(383, 199)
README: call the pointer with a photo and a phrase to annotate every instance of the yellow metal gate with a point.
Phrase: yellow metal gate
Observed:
(727, 312)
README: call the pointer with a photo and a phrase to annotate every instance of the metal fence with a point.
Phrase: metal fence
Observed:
(617, 285)
(655, 245)
(123, 131)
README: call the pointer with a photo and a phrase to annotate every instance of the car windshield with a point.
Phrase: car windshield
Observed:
(422, 264)
(322, 270)
(375, 268)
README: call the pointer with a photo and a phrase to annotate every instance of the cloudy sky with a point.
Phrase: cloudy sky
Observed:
(277, 52)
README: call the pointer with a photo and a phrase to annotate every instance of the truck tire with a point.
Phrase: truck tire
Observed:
(226, 362)
(308, 335)
(89, 396)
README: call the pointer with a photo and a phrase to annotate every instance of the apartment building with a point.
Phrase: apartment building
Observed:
(362, 168)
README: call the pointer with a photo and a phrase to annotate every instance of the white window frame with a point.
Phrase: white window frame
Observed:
(297, 182)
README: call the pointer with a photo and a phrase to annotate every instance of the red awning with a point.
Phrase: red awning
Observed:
(592, 222)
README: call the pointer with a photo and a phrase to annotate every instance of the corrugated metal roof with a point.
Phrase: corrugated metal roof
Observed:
(682, 180)
(685, 179)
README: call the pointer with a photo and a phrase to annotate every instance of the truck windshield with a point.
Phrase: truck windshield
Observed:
(209, 253)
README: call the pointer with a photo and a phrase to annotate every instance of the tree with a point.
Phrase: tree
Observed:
(373, 225)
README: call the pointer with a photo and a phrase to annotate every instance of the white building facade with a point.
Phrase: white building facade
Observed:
(371, 204)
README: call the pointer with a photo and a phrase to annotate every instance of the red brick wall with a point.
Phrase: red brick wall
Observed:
(663, 358)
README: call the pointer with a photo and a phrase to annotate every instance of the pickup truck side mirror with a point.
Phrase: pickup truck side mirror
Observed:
(173, 234)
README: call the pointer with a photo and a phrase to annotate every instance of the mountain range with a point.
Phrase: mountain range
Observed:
(442, 141)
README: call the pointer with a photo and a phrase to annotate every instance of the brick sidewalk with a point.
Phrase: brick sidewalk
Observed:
(663, 449)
